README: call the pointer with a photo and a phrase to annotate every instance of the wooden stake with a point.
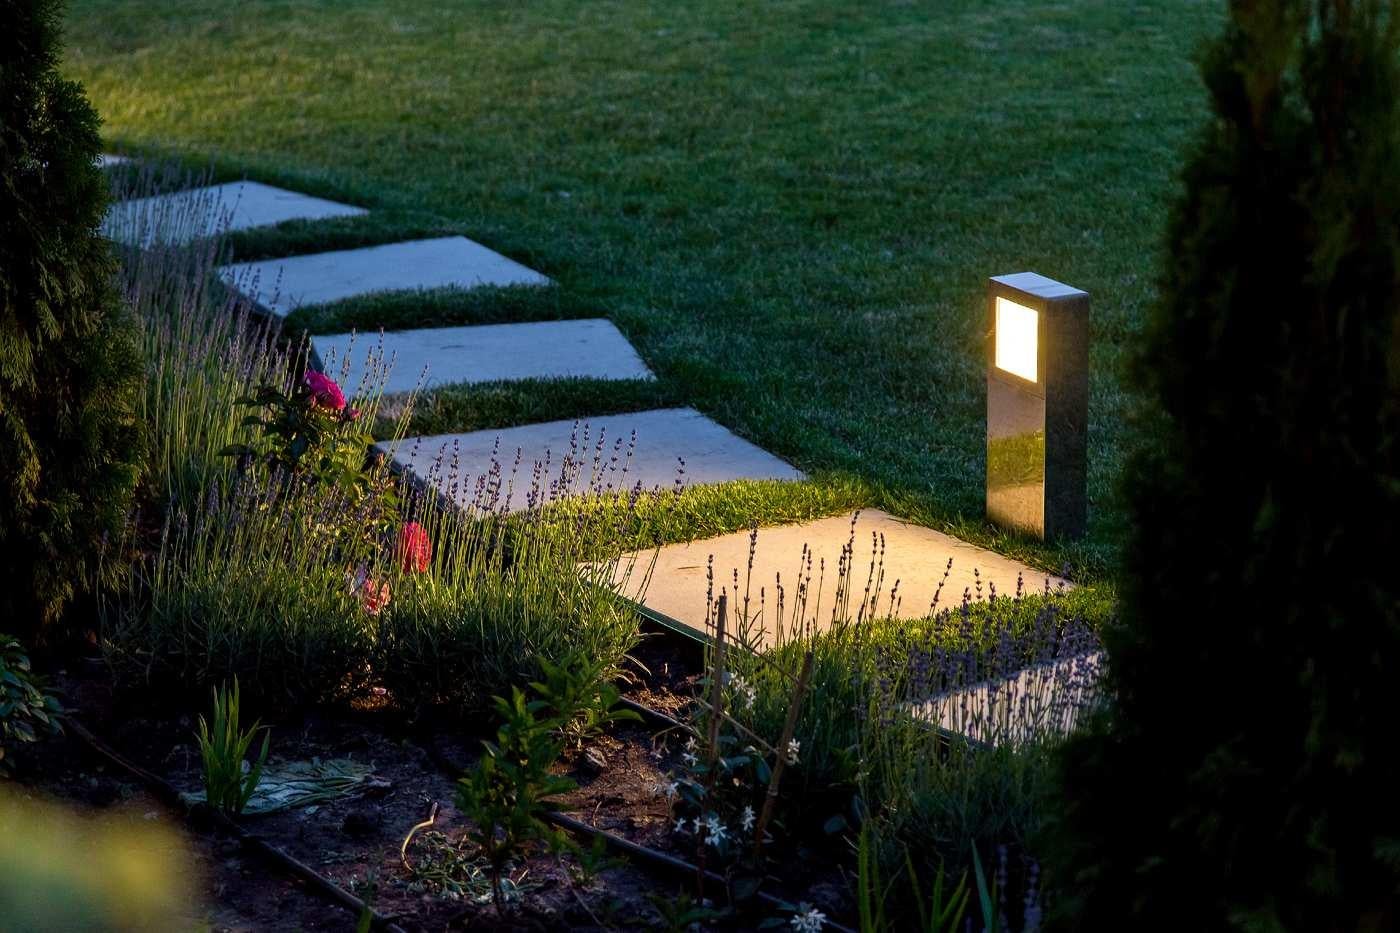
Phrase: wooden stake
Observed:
(789, 727)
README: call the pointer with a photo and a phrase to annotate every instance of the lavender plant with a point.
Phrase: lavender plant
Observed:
(937, 729)
(202, 345)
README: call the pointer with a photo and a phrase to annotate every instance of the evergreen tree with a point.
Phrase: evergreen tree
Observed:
(1246, 775)
(69, 368)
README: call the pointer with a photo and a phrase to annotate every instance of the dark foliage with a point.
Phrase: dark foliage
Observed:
(1247, 777)
(69, 370)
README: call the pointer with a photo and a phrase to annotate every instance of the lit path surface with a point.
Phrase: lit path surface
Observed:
(283, 285)
(825, 571)
(496, 468)
(239, 205)
(439, 356)
(1042, 700)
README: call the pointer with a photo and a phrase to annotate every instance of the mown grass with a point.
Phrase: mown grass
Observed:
(528, 401)
(790, 208)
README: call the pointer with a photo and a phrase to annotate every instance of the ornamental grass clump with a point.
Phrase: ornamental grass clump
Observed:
(278, 576)
(510, 590)
(202, 344)
(305, 567)
(934, 735)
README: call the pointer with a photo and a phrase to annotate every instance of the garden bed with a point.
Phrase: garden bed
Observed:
(355, 840)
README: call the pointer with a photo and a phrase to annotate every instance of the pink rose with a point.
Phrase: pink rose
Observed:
(376, 596)
(415, 548)
(324, 391)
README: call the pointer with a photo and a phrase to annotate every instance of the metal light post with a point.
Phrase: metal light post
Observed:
(1037, 405)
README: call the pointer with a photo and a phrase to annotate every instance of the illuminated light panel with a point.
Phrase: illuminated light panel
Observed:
(1018, 329)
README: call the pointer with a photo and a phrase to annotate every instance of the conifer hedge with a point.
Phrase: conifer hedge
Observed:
(1248, 773)
(69, 368)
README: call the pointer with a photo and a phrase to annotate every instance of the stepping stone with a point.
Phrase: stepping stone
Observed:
(594, 454)
(1042, 700)
(107, 161)
(182, 216)
(487, 353)
(822, 557)
(282, 285)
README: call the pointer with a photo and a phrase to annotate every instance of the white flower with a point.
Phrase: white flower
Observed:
(808, 919)
(746, 818)
(715, 832)
(793, 748)
(690, 744)
(680, 827)
(665, 789)
(750, 695)
(690, 759)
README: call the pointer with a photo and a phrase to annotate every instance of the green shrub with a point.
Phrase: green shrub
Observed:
(69, 370)
(252, 586)
(27, 711)
(581, 696)
(507, 594)
(1245, 775)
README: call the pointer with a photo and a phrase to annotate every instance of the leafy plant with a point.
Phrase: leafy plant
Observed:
(310, 430)
(223, 747)
(312, 434)
(26, 710)
(679, 913)
(582, 697)
(511, 788)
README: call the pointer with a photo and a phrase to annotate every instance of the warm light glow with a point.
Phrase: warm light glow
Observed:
(1017, 332)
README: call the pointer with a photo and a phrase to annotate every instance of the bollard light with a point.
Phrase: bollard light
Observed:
(1037, 405)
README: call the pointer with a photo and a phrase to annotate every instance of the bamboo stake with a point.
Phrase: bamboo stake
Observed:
(716, 716)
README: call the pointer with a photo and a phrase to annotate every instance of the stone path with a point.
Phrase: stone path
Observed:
(282, 285)
(671, 445)
(437, 356)
(107, 161)
(864, 556)
(187, 215)
(865, 564)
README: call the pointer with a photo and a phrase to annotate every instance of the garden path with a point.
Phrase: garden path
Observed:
(865, 554)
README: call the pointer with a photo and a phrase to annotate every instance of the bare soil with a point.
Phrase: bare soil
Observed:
(355, 841)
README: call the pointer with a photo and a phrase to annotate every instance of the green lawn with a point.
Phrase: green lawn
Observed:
(790, 207)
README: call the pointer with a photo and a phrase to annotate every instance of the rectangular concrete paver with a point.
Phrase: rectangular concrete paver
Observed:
(182, 216)
(107, 161)
(438, 356)
(282, 285)
(584, 457)
(832, 561)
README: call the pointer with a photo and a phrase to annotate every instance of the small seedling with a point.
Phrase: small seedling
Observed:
(223, 747)
(509, 791)
(581, 697)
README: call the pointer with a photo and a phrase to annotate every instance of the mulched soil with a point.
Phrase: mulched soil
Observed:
(355, 841)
